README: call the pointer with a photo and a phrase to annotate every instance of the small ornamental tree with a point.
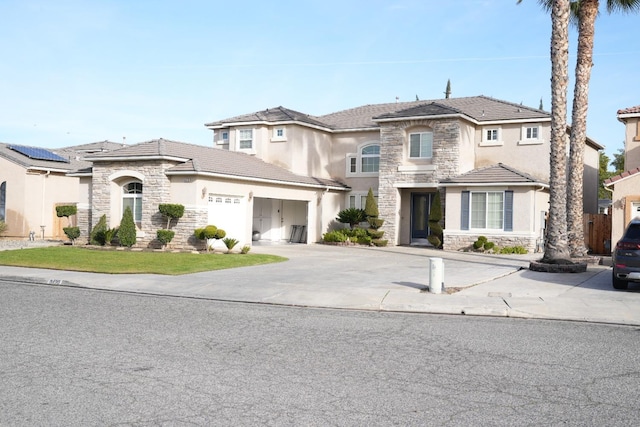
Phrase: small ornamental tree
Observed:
(66, 211)
(171, 211)
(72, 233)
(97, 233)
(435, 216)
(351, 216)
(209, 233)
(127, 229)
(371, 212)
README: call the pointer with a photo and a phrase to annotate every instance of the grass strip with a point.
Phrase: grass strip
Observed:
(74, 258)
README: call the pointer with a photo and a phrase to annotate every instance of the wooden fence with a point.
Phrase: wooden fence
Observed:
(597, 233)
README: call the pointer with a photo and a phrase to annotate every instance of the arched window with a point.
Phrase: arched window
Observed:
(3, 200)
(367, 160)
(132, 198)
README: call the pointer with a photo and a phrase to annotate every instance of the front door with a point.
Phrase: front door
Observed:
(420, 207)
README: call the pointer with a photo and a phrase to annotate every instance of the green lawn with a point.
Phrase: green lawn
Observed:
(112, 261)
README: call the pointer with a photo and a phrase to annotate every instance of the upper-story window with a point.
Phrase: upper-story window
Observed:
(531, 134)
(491, 136)
(222, 137)
(367, 161)
(279, 134)
(421, 145)
(245, 139)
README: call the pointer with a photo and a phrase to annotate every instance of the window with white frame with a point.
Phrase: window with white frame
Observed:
(421, 145)
(491, 136)
(358, 200)
(487, 210)
(531, 134)
(245, 139)
(132, 198)
(223, 137)
(367, 161)
(279, 134)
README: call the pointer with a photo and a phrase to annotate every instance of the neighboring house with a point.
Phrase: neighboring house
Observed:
(406, 152)
(33, 181)
(625, 187)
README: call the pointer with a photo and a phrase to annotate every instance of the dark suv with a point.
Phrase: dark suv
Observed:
(626, 256)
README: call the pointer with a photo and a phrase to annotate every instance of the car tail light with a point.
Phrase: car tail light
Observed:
(628, 245)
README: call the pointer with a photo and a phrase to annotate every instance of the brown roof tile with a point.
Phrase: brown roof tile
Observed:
(193, 158)
(630, 110)
(499, 173)
(623, 175)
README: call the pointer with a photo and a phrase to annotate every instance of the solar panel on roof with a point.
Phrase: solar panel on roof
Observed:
(38, 153)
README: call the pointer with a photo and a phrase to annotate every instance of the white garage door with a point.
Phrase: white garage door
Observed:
(229, 213)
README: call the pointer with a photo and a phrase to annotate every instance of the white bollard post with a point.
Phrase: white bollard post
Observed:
(436, 275)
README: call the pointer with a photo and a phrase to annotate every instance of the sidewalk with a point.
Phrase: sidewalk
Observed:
(383, 279)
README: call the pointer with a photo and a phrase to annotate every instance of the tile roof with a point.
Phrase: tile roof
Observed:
(479, 108)
(205, 160)
(75, 161)
(499, 173)
(270, 115)
(630, 110)
(618, 177)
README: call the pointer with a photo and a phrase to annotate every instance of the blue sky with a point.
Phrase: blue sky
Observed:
(75, 71)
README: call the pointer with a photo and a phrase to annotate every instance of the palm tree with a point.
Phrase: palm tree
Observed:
(556, 247)
(584, 14)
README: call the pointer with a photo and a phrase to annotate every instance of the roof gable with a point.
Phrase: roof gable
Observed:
(626, 174)
(493, 174)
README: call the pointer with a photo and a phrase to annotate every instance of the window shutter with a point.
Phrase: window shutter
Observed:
(508, 211)
(464, 215)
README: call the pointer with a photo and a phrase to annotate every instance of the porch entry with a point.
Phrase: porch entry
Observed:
(420, 208)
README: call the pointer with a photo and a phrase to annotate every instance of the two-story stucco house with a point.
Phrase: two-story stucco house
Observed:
(626, 186)
(488, 158)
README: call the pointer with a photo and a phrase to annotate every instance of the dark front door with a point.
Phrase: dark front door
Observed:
(420, 207)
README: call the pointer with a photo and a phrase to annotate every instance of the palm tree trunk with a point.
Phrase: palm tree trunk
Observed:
(556, 247)
(587, 13)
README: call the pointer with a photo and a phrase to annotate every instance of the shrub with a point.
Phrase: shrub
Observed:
(245, 249)
(171, 211)
(379, 242)
(375, 234)
(375, 223)
(488, 246)
(371, 206)
(127, 229)
(478, 244)
(513, 250)
(72, 233)
(351, 216)
(165, 236)
(66, 211)
(230, 243)
(108, 235)
(434, 240)
(220, 234)
(209, 232)
(97, 234)
(335, 236)
(3, 226)
(364, 240)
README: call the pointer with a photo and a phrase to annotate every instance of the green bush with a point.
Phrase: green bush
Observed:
(230, 243)
(209, 232)
(3, 226)
(351, 216)
(245, 249)
(375, 234)
(220, 234)
(66, 211)
(171, 211)
(482, 239)
(364, 240)
(108, 235)
(478, 244)
(335, 236)
(513, 250)
(434, 240)
(371, 206)
(375, 223)
(379, 242)
(72, 233)
(488, 246)
(127, 229)
(97, 233)
(165, 236)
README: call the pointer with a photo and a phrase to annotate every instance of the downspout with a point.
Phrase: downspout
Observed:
(44, 188)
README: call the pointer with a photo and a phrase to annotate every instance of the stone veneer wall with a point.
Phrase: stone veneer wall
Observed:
(155, 190)
(459, 242)
(393, 141)
(83, 218)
